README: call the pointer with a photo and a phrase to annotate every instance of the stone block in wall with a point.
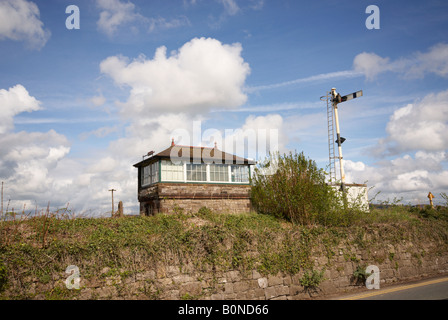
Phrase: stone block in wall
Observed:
(287, 280)
(164, 282)
(182, 278)
(230, 296)
(259, 293)
(147, 275)
(270, 293)
(105, 292)
(282, 290)
(280, 298)
(262, 282)
(296, 279)
(86, 294)
(114, 280)
(408, 272)
(296, 289)
(343, 281)
(217, 296)
(241, 296)
(348, 268)
(95, 283)
(233, 275)
(172, 295)
(274, 280)
(240, 286)
(328, 287)
(192, 289)
(386, 273)
(256, 274)
(228, 288)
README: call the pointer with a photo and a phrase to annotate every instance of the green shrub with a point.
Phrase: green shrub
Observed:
(205, 212)
(312, 279)
(438, 213)
(360, 274)
(296, 191)
(3, 276)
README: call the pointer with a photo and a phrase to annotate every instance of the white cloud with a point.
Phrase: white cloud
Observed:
(263, 134)
(99, 133)
(27, 161)
(162, 23)
(316, 78)
(115, 14)
(98, 100)
(435, 60)
(155, 133)
(20, 21)
(202, 74)
(256, 4)
(419, 126)
(13, 101)
(408, 177)
(370, 64)
(416, 138)
(106, 164)
(230, 6)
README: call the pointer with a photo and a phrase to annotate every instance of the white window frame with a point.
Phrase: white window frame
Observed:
(226, 166)
(164, 172)
(208, 173)
(198, 164)
(150, 174)
(239, 174)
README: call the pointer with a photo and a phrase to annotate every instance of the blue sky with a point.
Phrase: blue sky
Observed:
(81, 106)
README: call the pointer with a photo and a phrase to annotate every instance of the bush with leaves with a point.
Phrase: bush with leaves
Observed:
(292, 187)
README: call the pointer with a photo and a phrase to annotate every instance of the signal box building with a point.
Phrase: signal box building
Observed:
(187, 178)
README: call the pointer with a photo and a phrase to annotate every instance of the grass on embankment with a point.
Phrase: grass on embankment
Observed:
(40, 247)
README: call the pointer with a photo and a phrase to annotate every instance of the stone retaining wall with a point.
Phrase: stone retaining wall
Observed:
(396, 263)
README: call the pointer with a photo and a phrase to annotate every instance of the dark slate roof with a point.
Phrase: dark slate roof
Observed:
(193, 154)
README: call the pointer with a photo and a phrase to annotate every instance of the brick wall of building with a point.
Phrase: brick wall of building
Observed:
(171, 197)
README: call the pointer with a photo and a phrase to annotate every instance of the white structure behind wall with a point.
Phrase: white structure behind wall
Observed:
(357, 195)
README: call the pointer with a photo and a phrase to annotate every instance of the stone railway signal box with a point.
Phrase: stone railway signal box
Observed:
(189, 178)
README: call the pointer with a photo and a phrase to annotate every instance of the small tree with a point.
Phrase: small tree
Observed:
(291, 187)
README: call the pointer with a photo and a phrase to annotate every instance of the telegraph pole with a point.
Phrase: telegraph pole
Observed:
(112, 190)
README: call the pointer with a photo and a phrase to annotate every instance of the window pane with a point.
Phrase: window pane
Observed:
(240, 174)
(219, 172)
(150, 174)
(196, 172)
(155, 172)
(145, 175)
(171, 171)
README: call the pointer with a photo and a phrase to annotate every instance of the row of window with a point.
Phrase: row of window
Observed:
(194, 172)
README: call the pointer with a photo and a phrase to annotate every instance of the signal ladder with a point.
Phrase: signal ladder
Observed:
(331, 139)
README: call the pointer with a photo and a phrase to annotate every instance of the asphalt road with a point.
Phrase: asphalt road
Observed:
(429, 289)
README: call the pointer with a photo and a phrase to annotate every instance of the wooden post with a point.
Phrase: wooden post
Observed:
(112, 190)
(120, 209)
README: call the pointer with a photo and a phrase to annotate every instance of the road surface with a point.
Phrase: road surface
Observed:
(429, 289)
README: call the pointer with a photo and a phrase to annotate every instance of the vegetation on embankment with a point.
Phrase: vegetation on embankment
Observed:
(42, 247)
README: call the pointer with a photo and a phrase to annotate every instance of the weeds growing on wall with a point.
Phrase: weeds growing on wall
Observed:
(41, 247)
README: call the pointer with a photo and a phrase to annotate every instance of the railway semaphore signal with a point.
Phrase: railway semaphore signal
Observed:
(333, 99)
